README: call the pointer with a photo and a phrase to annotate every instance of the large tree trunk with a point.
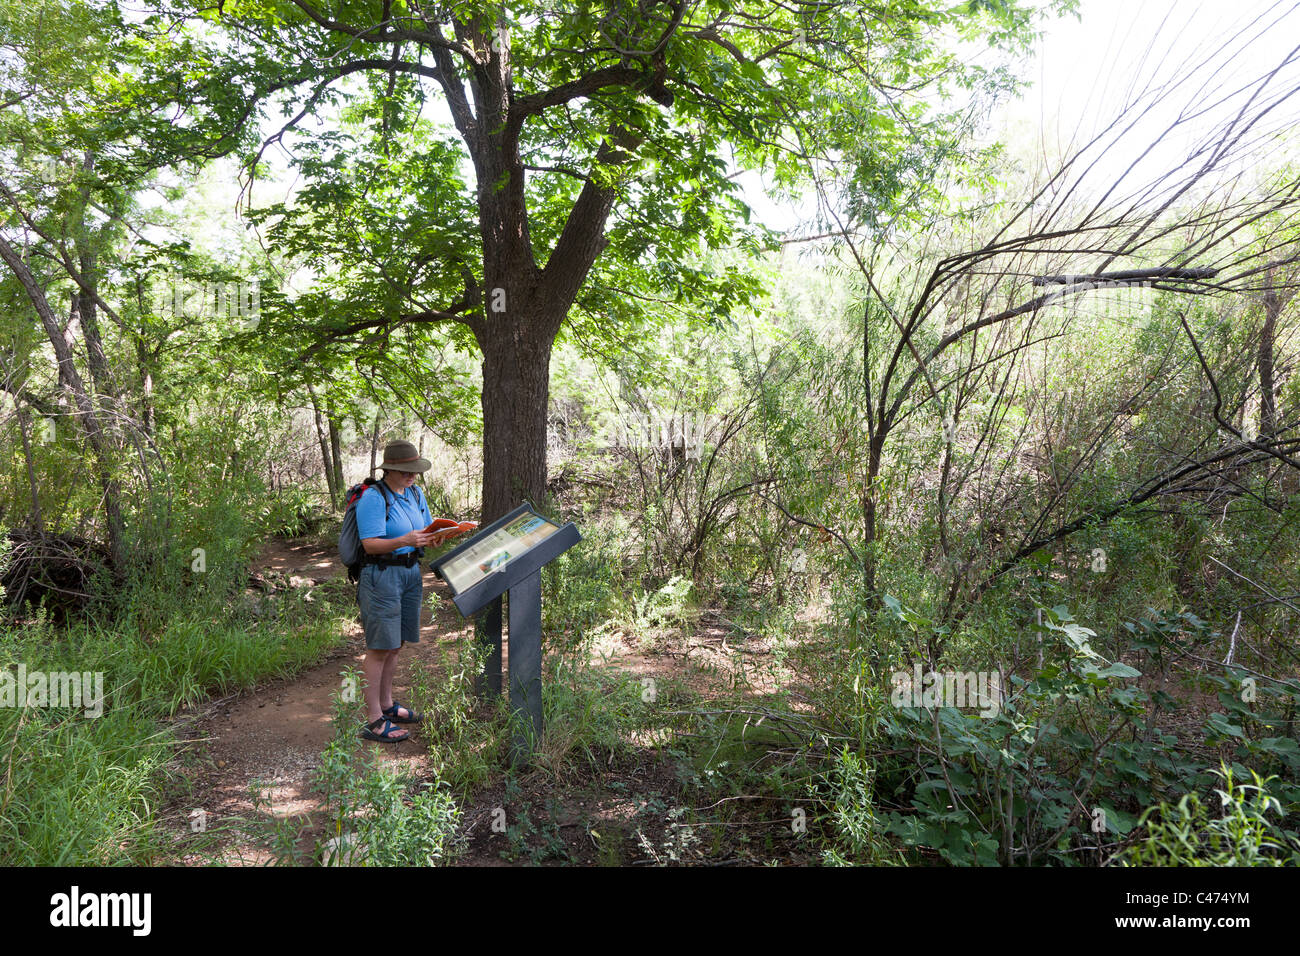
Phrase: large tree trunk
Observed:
(516, 384)
(524, 305)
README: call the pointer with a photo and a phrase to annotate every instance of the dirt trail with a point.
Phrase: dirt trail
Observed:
(274, 735)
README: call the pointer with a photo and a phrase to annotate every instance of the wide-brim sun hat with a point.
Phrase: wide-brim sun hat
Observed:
(403, 456)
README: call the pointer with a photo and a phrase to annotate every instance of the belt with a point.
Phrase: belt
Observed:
(405, 560)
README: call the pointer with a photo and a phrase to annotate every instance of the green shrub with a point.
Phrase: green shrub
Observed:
(379, 817)
(856, 827)
(1188, 834)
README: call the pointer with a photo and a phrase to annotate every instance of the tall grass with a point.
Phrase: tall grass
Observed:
(81, 790)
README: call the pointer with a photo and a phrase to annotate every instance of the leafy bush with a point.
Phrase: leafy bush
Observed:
(666, 605)
(291, 512)
(1187, 834)
(377, 820)
(1057, 773)
(852, 813)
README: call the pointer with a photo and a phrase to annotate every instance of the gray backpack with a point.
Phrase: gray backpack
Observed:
(351, 553)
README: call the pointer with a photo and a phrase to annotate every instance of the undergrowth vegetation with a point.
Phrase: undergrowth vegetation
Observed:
(175, 633)
(961, 530)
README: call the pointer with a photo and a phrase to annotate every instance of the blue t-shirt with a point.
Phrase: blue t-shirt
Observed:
(406, 512)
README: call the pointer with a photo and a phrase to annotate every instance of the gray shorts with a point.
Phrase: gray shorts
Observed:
(390, 597)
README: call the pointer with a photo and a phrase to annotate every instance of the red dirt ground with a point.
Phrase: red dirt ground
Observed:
(274, 736)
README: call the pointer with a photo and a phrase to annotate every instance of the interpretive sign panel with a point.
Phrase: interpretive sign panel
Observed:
(508, 555)
(501, 554)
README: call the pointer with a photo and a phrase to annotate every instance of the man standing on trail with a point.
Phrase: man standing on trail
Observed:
(391, 587)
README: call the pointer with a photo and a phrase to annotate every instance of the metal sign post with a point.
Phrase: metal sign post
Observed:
(508, 555)
(526, 665)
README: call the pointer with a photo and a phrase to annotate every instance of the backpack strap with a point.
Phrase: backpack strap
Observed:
(419, 497)
(387, 504)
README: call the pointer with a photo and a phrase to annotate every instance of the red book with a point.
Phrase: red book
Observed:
(444, 529)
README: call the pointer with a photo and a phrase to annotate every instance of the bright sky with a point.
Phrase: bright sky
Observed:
(1085, 72)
